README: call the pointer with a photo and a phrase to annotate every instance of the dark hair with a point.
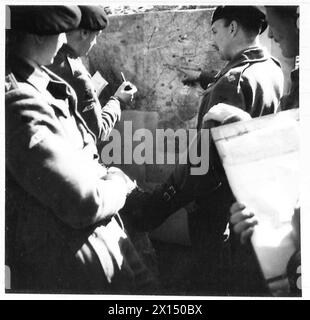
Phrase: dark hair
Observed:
(248, 27)
(284, 12)
(249, 17)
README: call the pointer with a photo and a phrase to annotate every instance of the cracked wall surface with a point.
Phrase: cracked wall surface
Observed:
(152, 49)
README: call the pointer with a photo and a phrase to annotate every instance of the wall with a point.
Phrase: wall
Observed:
(152, 49)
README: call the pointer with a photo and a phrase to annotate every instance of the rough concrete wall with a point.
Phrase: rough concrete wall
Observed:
(150, 49)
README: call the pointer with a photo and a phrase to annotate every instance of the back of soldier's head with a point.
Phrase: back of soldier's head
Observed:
(37, 32)
(94, 18)
(44, 20)
(84, 37)
(41, 21)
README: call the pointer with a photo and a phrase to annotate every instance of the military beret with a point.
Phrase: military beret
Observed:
(93, 18)
(249, 17)
(45, 20)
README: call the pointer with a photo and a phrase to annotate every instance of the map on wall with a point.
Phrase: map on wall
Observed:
(152, 49)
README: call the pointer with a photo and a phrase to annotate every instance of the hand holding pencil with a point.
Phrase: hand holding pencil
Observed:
(126, 91)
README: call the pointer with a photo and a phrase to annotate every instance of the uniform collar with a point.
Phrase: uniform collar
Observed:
(68, 51)
(254, 53)
(29, 71)
(26, 71)
(63, 53)
(248, 55)
(38, 78)
(57, 86)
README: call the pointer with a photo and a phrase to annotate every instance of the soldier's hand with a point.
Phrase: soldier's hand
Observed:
(190, 77)
(114, 172)
(225, 113)
(125, 92)
(243, 221)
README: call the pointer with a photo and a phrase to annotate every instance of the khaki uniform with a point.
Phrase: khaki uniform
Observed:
(253, 82)
(62, 232)
(100, 120)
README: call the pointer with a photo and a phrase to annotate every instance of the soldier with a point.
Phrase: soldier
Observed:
(62, 229)
(251, 82)
(69, 66)
(284, 29)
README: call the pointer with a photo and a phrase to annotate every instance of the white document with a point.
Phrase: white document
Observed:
(99, 82)
(261, 161)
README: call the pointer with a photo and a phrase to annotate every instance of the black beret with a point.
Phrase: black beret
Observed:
(45, 20)
(249, 17)
(93, 18)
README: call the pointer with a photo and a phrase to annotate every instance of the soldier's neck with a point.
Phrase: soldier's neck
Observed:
(242, 46)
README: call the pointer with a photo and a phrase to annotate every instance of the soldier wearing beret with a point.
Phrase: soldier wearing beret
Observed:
(250, 85)
(69, 66)
(62, 229)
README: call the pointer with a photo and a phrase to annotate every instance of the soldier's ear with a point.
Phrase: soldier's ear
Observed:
(233, 27)
(84, 34)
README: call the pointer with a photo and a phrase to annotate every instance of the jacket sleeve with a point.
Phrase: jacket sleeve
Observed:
(101, 120)
(206, 77)
(228, 90)
(145, 211)
(48, 167)
(110, 114)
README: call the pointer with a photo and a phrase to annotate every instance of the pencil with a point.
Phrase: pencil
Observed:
(123, 77)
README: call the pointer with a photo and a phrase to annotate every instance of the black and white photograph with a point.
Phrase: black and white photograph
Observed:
(155, 150)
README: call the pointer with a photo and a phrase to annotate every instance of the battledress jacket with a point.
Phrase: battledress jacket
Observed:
(253, 82)
(100, 120)
(62, 234)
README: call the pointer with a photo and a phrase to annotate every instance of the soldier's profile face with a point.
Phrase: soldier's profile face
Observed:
(220, 38)
(90, 41)
(284, 32)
